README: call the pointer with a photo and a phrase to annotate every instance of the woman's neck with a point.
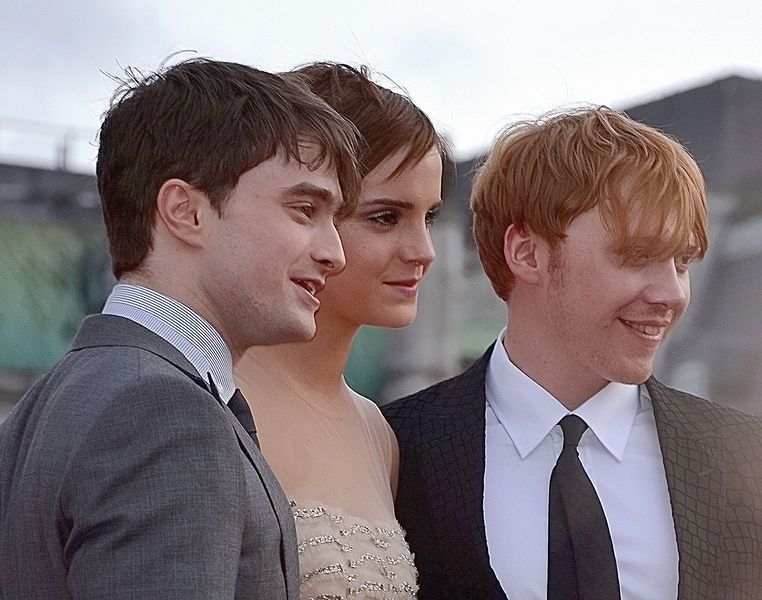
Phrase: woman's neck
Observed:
(314, 369)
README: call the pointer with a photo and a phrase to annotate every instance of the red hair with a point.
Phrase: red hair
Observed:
(543, 173)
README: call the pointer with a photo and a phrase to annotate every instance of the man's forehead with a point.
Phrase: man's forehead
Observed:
(309, 152)
(311, 161)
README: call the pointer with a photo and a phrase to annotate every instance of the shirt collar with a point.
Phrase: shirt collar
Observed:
(528, 412)
(191, 334)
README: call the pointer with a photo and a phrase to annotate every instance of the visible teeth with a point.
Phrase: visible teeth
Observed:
(309, 286)
(647, 329)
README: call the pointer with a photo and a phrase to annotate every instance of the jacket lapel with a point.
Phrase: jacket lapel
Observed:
(275, 494)
(110, 330)
(454, 430)
(696, 480)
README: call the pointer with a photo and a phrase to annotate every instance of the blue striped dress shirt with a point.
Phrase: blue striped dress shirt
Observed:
(192, 335)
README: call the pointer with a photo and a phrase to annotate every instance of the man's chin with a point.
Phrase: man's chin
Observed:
(635, 377)
(293, 331)
(306, 331)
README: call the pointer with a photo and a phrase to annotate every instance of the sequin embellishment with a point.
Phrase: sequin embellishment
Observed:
(342, 557)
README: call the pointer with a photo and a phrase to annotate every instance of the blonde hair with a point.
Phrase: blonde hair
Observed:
(543, 173)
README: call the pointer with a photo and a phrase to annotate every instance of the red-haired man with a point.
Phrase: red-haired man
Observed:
(557, 466)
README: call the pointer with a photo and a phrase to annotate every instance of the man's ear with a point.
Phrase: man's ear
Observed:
(521, 253)
(183, 211)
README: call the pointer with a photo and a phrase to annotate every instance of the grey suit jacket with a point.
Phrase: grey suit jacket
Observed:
(712, 459)
(122, 476)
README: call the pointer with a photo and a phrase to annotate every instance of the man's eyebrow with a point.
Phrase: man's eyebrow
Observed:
(313, 191)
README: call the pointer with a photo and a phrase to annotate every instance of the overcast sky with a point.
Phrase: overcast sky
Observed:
(473, 66)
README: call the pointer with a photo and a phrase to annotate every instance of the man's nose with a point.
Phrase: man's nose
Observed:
(329, 251)
(669, 286)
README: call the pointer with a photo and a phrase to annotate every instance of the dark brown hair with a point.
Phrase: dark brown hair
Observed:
(543, 173)
(388, 121)
(206, 122)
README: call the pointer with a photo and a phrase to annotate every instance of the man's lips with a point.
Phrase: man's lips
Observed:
(312, 285)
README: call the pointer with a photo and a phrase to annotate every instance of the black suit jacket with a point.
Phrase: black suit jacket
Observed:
(713, 463)
(122, 476)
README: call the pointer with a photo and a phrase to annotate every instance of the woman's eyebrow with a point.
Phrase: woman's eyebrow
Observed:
(393, 202)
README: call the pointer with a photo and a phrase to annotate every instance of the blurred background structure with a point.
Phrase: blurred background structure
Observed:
(54, 266)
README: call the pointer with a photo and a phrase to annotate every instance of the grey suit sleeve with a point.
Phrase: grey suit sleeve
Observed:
(153, 504)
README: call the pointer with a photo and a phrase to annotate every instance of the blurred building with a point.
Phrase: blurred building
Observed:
(54, 268)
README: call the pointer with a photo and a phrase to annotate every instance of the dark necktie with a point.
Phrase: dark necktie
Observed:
(581, 562)
(240, 408)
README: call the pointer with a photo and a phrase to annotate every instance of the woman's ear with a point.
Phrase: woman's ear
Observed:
(520, 249)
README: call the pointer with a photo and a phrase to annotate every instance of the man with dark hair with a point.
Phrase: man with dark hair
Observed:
(131, 470)
(556, 466)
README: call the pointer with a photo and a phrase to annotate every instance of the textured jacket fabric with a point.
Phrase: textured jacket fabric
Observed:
(122, 476)
(713, 464)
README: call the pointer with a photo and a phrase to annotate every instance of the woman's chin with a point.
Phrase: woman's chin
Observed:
(397, 319)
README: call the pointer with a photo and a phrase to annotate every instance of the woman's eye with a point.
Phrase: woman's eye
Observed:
(431, 216)
(387, 219)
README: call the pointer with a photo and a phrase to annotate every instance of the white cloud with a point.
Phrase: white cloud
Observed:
(470, 64)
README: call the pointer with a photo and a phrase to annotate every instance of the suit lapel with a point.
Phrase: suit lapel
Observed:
(110, 330)
(454, 430)
(696, 482)
(275, 494)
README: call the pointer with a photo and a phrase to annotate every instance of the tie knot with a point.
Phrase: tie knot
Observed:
(573, 428)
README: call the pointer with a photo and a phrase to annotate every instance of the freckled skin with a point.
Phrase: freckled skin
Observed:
(588, 307)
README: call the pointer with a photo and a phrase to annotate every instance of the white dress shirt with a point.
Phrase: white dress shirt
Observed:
(620, 452)
(192, 335)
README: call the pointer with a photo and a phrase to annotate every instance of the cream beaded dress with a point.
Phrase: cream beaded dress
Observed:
(336, 466)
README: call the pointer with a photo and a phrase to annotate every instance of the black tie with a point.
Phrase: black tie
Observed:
(240, 409)
(581, 562)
